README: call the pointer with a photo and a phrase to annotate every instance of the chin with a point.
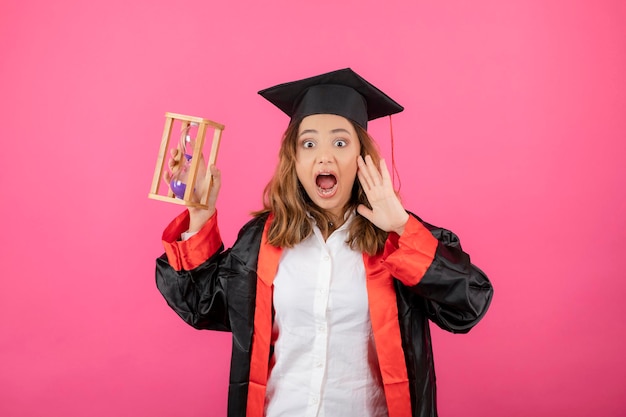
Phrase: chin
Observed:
(332, 207)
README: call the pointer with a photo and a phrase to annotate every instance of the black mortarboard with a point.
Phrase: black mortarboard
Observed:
(342, 92)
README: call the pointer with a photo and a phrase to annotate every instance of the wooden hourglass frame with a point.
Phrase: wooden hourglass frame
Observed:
(161, 168)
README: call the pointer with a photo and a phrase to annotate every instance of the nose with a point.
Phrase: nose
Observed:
(325, 155)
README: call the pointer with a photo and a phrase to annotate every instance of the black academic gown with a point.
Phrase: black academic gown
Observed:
(213, 289)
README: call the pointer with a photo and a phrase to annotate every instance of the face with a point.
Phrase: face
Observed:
(326, 160)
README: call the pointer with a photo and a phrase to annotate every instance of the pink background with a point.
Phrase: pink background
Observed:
(513, 137)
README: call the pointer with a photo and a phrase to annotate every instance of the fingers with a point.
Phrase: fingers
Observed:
(384, 171)
(172, 164)
(216, 178)
(369, 174)
(167, 177)
(213, 183)
(215, 172)
(174, 161)
(364, 173)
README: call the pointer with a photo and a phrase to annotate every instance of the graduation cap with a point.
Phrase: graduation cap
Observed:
(342, 92)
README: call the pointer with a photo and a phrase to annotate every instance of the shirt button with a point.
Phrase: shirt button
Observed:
(319, 364)
(326, 258)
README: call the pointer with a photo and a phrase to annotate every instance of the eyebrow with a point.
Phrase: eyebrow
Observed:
(340, 130)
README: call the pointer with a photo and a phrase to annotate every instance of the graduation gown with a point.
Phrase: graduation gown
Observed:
(420, 276)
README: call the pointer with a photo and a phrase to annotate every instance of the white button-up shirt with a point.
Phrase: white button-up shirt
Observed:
(324, 361)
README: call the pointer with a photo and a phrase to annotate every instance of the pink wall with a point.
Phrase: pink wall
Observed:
(513, 136)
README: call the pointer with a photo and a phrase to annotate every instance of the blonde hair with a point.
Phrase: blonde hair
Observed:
(287, 200)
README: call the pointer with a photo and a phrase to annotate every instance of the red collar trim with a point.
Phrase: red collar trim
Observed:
(386, 329)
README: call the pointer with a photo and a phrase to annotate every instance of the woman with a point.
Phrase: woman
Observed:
(329, 289)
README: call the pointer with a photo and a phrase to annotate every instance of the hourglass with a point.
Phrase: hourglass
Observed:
(189, 165)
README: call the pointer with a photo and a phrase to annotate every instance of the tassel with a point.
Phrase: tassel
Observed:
(394, 170)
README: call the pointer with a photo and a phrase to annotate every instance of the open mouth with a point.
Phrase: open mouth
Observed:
(326, 184)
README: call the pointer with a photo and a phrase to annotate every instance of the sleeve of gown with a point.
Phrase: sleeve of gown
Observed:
(429, 261)
(187, 274)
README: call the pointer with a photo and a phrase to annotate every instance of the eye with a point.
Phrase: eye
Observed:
(341, 143)
(307, 143)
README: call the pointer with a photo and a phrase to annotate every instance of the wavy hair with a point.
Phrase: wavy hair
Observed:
(285, 197)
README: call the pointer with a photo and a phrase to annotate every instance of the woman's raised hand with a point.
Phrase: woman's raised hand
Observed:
(387, 212)
(198, 216)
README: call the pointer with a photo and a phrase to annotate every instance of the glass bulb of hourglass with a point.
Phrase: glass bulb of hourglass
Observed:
(178, 182)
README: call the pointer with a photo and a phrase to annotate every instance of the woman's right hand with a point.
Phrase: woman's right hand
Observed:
(198, 216)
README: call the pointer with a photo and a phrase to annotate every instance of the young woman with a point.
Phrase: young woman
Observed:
(329, 289)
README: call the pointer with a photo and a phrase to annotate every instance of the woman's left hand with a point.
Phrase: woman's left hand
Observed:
(387, 212)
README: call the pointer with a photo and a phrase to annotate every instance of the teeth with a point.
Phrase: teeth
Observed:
(327, 190)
